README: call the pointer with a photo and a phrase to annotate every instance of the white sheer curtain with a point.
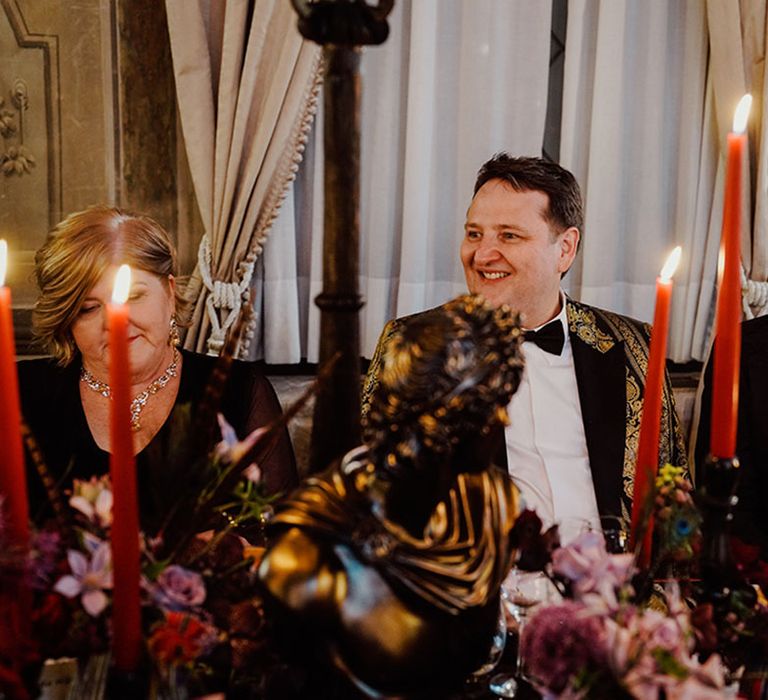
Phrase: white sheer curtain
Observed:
(246, 85)
(639, 132)
(455, 82)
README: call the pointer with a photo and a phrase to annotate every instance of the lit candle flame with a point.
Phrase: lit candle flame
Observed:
(3, 260)
(122, 285)
(671, 265)
(741, 114)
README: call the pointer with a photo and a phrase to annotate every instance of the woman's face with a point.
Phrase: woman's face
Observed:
(151, 304)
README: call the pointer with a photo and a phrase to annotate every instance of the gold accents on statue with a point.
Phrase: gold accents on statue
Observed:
(392, 559)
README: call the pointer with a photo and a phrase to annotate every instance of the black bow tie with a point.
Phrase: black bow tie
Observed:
(549, 338)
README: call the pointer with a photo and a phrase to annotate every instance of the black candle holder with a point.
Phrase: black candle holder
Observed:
(716, 498)
(127, 685)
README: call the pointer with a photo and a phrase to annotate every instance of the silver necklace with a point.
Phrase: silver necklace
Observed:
(137, 405)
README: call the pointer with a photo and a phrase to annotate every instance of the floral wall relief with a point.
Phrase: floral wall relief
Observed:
(15, 158)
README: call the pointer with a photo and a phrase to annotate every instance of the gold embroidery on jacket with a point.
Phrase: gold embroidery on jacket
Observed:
(582, 322)
(634, 409)
(600, 330)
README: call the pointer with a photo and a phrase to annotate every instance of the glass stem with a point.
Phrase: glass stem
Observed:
(519, 651)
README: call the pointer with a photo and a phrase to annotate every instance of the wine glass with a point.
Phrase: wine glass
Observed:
(569, 528)
(498, 644)
(616, 533)
(521, 592)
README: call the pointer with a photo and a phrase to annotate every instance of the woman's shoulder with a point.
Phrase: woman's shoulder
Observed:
(48, 393)
(43, 375)
(240, 374)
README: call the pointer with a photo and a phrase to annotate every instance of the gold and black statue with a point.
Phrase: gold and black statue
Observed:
(388, 565)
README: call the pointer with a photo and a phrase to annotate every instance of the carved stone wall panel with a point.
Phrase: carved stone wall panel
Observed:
(61, 53)
(97, 124)
(30, 178)
(85, 94)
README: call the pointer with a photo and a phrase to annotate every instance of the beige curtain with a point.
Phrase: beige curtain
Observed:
(737, 33)
(246, 85)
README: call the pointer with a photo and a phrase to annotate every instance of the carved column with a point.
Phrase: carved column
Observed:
(341, 27)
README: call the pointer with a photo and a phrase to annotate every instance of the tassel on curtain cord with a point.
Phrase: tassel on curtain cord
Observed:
(222, 295)
(754, 295)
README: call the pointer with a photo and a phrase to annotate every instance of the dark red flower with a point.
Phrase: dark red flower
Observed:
(180, 639)
(11, 684)
(704, 627)
(747, 559)
(535, 546)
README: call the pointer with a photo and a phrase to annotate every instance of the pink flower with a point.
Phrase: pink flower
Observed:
(561, 641)
(692, 689)
(591, 569)
(89, 578)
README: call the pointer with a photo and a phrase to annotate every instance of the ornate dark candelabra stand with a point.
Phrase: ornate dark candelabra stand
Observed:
(716, 497)
(341, 27)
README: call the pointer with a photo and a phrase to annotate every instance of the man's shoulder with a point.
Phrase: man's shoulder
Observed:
(408, 317)
(395, 323)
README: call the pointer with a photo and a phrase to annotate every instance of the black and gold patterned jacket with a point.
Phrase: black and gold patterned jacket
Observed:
(610, 357)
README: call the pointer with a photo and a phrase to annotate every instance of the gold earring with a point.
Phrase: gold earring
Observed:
(174, 340)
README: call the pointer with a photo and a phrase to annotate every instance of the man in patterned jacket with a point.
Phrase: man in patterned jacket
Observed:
(572, 440)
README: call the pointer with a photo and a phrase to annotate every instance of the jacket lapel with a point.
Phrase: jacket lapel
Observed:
(598, 361)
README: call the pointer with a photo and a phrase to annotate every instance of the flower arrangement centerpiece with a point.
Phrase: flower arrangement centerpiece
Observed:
(201, 615)
(202, 621)
(600, 642)
(620, 632)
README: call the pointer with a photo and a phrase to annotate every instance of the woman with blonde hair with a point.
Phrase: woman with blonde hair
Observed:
(66, 398)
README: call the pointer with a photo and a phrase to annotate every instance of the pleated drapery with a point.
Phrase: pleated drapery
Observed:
(246, 85)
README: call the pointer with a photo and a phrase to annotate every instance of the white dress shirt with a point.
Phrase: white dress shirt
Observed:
(546, 444)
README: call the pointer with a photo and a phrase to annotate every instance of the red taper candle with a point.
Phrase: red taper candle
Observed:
(725, 387)
(126, 610)
(650, 421)
(13, 482)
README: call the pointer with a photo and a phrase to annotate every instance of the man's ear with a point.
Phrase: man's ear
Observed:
(569, 244)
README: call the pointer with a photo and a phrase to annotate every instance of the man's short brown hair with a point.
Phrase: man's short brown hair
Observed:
(539, 175)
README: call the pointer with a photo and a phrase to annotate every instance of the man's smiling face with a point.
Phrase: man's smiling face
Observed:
(511, 254)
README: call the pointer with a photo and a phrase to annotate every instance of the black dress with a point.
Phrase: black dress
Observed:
(51, 406)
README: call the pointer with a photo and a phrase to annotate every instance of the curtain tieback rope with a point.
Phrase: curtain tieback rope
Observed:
(221, 295)
(755, 295)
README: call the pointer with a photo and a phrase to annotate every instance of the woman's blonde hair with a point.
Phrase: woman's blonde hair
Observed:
(75, 256)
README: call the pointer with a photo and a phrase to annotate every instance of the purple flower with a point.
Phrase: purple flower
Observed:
(591, 569)
(231, 450)
(560, 641)
(89, 578)
(44, 554)
(178, 589)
